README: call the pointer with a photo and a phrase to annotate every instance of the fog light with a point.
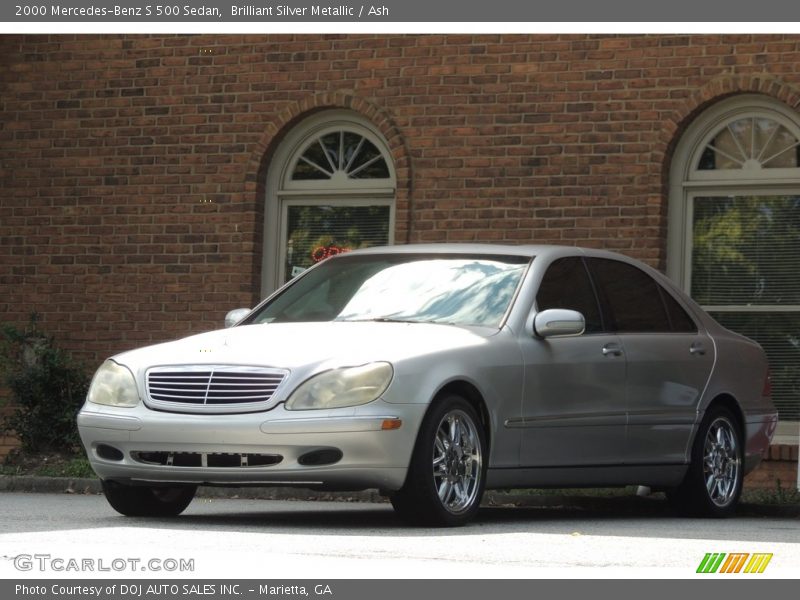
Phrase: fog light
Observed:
(317, 458)
(109, 452)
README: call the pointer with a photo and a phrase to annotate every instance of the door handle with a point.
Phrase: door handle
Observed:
(697, 348)
(612, 349)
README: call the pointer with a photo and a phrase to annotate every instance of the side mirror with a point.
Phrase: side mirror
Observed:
(236, 315)
(558, 321)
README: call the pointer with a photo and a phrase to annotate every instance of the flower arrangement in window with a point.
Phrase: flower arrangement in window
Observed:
(318, 231)
(320, 253)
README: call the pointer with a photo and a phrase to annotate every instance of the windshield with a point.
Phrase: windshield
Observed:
(454, 289)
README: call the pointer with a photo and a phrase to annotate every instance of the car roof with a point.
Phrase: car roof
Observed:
(548, 252)
(528, 250)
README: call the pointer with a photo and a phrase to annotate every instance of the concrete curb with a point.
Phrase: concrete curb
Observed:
(633, 505)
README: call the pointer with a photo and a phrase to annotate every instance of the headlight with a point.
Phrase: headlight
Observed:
(337, 388)
(113, 385)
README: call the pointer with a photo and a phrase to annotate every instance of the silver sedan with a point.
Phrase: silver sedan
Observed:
(434, 372)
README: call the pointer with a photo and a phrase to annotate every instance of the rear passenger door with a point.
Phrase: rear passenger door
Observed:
(669, 360)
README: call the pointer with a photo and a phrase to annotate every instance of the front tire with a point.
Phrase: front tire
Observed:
(447, 473)
(148, 501)
(713, 484)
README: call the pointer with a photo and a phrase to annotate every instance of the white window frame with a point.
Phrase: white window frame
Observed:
(687, 183)
(282, 191)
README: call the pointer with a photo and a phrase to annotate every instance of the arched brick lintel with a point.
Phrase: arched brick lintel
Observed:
(715, 90)
(684, 113)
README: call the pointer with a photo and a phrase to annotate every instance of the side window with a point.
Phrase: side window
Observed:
(631, 297)
(566, 284)
(678, 318)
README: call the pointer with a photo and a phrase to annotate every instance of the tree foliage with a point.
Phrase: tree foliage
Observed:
(47, 389)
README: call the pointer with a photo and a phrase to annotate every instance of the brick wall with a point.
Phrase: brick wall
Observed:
(7, 442)
(779, 469)
(132, 167)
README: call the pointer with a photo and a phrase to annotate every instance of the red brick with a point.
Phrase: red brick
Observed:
(133, 183)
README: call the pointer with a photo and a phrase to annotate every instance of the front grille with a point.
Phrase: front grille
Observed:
(207, 388)
(206, 459)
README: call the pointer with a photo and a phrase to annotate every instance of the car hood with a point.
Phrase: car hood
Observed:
(295, 345)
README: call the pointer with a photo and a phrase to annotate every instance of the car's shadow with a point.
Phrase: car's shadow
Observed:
(615, 516)
(624, 515)
(364, 519)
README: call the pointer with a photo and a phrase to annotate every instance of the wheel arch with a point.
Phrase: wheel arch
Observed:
(692, 496)
(471, 394)
(727, 400)
(723, 400)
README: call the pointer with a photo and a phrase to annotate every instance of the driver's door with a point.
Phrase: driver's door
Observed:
(574, 411)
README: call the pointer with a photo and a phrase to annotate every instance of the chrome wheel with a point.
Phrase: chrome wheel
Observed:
(722, 466)
(457, 462)
(713, 481)
(447, 470)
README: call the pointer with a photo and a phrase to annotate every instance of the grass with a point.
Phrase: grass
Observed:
(47, 465)
(773, 496)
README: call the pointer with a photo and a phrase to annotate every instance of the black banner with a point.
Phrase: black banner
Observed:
(395, 11)
(398, 589)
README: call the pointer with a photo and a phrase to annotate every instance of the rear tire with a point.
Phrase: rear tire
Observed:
(447, 473)
(148, 501)
(713, 484)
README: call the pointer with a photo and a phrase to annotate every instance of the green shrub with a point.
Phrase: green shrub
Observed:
(47, 389)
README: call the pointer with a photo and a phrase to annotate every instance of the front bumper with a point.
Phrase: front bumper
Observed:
(371, 456)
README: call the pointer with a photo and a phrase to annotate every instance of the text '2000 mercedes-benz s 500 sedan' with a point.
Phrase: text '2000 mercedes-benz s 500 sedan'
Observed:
(435, 372)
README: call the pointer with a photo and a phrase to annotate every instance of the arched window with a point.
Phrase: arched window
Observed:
(734, 228)
(330, 189)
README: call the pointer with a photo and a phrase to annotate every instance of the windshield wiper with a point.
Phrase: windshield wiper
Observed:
(394, 320)
(377, 320)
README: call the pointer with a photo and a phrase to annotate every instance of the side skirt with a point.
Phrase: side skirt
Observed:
(599, 476)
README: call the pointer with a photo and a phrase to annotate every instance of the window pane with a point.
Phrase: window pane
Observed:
(746, 250)
(345, 154)
(315, 232)
(779, 335)
(331, 143)
(751, 143)
(678, 318)
(352, 146)
(368, 163)
(374, 170)
(566, 284)
(313, 164)
(708, 160)
(724, 151)
(765, 131)
(306, 172)
(781, 153)
(631, 295)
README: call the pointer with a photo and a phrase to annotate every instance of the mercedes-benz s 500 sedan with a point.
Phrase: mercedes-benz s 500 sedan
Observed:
(433, 373)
